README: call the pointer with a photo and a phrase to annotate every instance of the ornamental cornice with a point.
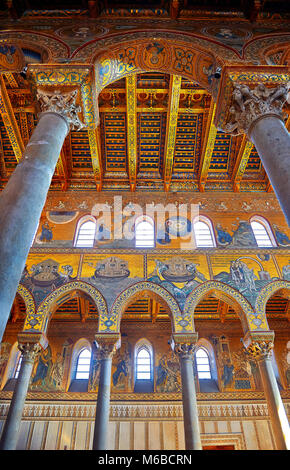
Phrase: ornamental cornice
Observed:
(84, 397)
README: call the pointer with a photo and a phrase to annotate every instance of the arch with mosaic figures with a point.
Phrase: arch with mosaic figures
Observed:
(39, 321)
(160, 294)
(250, 320)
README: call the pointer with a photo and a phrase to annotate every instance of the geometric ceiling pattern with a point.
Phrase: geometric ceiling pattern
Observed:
(180, 161)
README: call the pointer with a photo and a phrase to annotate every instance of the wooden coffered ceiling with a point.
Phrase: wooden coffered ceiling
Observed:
(79, 308)
(155, 134)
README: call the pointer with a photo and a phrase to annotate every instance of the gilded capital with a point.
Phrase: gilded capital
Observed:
(259, 345)
(249, 105)
(106, 345)
(62, 103)
(260, 350)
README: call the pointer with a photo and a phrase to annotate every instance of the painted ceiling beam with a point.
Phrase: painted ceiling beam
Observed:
(208, 146)
(95, 148)
(10, 122)
(131, 101)
(171, 127)
(62, 170)
(241, 162)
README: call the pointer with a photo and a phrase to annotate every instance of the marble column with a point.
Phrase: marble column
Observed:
(261, 351)
(29, 346)
(106, 347)
(258, 113)
(22, 200)
(184, 348)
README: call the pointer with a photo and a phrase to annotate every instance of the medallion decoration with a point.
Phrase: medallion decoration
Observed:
(250, 105)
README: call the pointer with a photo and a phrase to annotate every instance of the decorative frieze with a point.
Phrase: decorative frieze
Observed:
(171, 410)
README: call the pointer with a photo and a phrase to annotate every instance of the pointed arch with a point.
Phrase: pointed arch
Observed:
(178, 321)
(282, 287)
(249, 319)
(39, 321)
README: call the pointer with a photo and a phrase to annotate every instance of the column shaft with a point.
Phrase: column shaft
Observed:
(272, 141)
(279, 421)
(190, 412)
(12, 424)
(103, 405)
(22, 201)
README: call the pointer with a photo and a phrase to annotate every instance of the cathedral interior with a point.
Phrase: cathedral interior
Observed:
(144, 225)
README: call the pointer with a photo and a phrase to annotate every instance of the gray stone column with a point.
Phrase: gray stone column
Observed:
(29, 352)
(258, 113)
(184, 348)
(106, 345)
(261, 352)
(22, 200)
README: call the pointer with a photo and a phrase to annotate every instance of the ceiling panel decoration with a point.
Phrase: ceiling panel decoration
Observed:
(140, 157)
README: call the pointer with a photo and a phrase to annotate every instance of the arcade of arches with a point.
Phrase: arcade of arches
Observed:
(144, 214)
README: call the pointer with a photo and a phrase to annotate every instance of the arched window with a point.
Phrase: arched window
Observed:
(143, 364)
(143, 367)
(144, 232)
(203, 233)
(85, 233)
(202, 364)
(262, 232)
(83, 364)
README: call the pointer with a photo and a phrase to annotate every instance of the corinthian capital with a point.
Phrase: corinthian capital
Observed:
(260, 350)
(250, 105)
(29, 351)
(63, 103)
(184, 345)
(107, 345)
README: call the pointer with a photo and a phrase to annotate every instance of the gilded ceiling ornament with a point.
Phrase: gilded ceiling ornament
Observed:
(250, 105)
(61, 103)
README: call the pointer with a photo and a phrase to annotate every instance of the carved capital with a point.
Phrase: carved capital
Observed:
(259, 345)
(184, 345)
(30, 344)
(107, 345)
(260, 350)
(62, 103)
(29, 351)
(250, 105)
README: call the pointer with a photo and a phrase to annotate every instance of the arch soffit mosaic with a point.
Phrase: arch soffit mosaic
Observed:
(38, 321)
(175, 57)
(136, 291)
(28, 299)
(251, 320)
(272, 288)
